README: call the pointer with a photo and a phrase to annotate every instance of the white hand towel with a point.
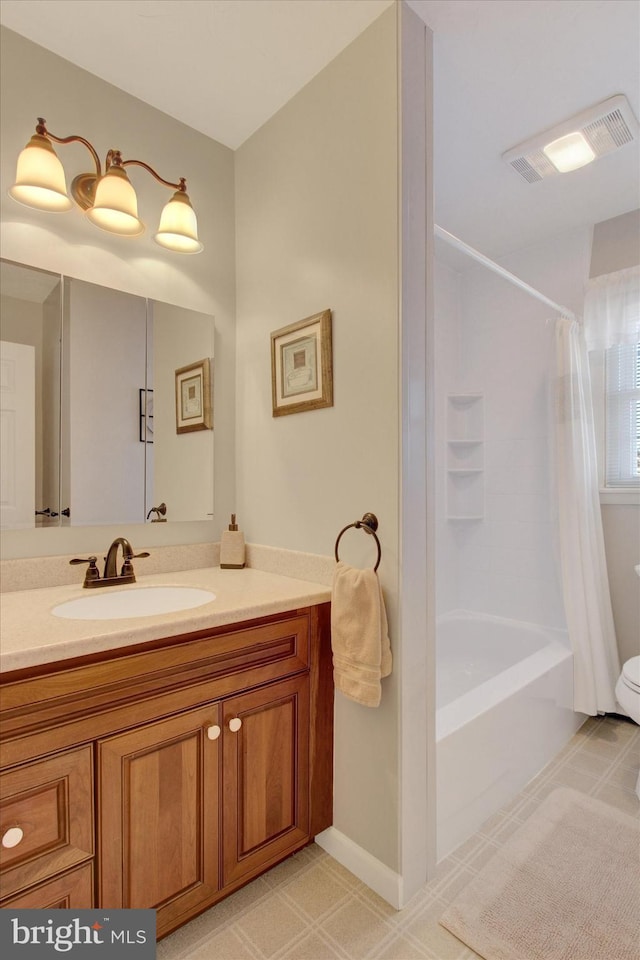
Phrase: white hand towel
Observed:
(359, 634)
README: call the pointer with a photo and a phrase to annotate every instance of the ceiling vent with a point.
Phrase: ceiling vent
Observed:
(602, 129)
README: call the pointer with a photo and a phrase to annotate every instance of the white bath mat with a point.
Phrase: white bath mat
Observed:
(565, 886)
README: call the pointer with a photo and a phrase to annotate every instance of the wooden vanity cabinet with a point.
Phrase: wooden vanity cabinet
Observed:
(212, 757)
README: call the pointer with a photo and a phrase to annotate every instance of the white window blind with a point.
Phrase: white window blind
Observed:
(622, 426)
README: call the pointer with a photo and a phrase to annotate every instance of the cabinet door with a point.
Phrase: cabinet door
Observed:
(158, 815)
(265, 776)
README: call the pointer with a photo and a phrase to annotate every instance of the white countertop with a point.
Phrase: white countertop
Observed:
(30, 634)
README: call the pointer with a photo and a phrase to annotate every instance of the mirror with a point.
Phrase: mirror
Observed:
(30, 335)
(89, 432)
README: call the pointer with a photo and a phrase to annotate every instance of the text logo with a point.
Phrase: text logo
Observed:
(78, 934)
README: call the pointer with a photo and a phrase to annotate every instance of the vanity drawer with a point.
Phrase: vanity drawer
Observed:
(46, 819)
(71, 891)
(223, 660)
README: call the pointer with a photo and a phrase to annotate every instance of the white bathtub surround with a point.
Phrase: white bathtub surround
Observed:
(500, 557)
(504, 711)
(505, 562)
(585, 581)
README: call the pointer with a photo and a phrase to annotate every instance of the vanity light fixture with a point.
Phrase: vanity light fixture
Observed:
(108, 198)
(589, 135)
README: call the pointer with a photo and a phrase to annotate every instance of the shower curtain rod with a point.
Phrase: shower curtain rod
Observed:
(492, 265)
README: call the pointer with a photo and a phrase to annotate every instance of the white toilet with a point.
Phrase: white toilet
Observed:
(628, 694)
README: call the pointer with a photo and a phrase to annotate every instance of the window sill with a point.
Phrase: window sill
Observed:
(619, 497)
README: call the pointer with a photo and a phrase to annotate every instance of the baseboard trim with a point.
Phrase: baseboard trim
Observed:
(381, 879)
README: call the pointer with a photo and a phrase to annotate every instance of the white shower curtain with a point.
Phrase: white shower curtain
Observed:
(612, 309)
(584, 569)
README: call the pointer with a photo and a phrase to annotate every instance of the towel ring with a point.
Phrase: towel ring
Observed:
(369, 524)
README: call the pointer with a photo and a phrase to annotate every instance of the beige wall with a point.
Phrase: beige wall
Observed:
(622, 544)
(616, 244)
(35, 82)
(317, 228)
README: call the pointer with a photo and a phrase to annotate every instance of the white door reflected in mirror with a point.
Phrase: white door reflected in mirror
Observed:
(18, 419)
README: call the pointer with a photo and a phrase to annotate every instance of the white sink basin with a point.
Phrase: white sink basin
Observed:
(133, 602)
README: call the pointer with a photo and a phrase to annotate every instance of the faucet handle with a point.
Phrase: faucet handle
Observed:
(127, 566)
(92, 570)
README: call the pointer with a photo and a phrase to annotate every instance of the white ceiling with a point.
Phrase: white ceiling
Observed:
(505, 70)
(221, 66)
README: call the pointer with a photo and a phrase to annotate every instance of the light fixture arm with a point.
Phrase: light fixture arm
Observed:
(181, 185)
(42, 130)
(84, 185)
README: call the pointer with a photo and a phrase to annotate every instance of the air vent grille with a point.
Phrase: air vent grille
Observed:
(534, 166)
(607, 127)
(608, 133)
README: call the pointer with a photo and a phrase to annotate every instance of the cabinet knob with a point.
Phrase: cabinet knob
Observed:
(235, 724)
(213, 732)
(12, 837)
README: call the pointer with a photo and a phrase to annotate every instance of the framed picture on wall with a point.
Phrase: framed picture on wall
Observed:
(302, 365)
(193, 397)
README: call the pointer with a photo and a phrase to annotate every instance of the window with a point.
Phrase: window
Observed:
(622, 416)
(612, 334)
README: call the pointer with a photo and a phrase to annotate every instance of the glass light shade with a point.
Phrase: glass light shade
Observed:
(115, 207)
(40, 180)
(569, 153)
(178, 230)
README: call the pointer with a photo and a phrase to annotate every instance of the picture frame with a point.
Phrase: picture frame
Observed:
(302, 365)
(146, 415)
(193, 397)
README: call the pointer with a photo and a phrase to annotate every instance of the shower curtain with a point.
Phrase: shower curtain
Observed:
(584, 569)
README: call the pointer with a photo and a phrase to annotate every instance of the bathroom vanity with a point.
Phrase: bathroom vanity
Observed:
(172, 766)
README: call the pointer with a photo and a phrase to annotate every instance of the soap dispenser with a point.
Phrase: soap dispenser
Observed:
(232, 547)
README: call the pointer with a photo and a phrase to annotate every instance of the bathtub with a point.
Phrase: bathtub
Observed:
(504, 709)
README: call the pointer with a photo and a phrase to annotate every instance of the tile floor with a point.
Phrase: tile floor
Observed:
(311, 908)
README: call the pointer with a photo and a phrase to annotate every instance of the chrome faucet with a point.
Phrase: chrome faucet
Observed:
(111, 575)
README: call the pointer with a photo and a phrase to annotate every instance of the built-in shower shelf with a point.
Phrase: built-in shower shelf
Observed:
(465, 416)
(465, 456)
